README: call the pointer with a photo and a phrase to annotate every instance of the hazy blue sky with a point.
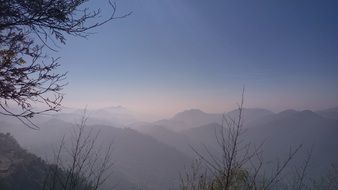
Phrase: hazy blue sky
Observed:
(170, 55)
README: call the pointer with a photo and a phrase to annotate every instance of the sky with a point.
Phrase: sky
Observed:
(172, 55)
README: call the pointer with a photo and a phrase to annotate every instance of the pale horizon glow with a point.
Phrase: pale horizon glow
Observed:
(173, 55)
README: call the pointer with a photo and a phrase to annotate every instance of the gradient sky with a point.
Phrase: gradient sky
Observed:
(171, 55)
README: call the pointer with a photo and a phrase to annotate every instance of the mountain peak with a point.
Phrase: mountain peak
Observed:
(331, 113)
(193, 110)
(309, 113)
(189, 113)
(287, 112)
(114, 110)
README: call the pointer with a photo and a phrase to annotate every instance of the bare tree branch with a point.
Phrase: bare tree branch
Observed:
(26, 29)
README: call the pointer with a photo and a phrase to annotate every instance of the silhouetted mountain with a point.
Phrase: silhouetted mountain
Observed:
(282, 130)
(203, 133)
(329, 113)
(154, 156)
(148, 161)
(250, 115)
(188, 119)
(140, 158)
(297, 127)
(195, 118)
(172, 138)
(22, 170)
(118, 115)
(18, 168)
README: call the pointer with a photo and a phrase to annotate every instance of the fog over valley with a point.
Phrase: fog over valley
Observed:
(153, 154)
(168, 95)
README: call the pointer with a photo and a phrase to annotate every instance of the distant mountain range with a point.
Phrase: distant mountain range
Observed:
(278, 132)
(329, 113)
(151, 155)
(120, 116)
(138, 158)
(188, 119)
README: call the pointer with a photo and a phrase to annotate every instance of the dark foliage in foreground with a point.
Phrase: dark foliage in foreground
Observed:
(27, 75)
